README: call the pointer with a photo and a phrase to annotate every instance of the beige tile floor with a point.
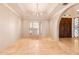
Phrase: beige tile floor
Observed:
(43, 46)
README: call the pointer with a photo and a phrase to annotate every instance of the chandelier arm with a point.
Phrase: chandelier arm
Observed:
(37, 9)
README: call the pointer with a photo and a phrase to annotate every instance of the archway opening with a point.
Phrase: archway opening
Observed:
(69, 23)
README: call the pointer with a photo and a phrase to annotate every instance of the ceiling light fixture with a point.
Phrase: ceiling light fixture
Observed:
(37, 13)
(77, 10)
(37, 10)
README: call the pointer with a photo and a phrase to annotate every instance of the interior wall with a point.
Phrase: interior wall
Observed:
(10, 26)
(44, 30)
(54, 27)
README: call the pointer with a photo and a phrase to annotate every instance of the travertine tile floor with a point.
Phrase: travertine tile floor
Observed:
(43, 46)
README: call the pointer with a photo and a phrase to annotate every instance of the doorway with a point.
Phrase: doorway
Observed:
(65, 28)
(34, 28)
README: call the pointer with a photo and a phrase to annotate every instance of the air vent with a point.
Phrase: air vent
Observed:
(65, 4)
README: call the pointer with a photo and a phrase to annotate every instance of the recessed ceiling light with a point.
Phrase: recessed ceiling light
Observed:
(77, 10)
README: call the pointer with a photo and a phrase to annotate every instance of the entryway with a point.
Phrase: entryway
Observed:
(65, 28)
(34, 29)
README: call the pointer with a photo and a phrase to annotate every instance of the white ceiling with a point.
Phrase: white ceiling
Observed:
(72, 12)
(30, 10)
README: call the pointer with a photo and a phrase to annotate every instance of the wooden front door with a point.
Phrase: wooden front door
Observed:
(65, 28)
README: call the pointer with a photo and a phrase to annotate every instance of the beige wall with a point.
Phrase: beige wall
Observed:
(9, 27)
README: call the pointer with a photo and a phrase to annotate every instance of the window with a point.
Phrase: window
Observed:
(34, 28)
(76, 27)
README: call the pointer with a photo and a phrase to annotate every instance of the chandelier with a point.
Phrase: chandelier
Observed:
(37, 12)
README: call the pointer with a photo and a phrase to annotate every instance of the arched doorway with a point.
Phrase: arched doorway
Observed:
(65, 28)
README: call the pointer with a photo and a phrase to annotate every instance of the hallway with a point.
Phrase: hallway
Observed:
(40, 46)
(22, 23)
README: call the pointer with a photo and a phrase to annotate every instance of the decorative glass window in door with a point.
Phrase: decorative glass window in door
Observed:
(76, 27)
(34, 28)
